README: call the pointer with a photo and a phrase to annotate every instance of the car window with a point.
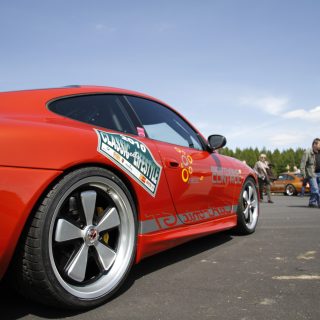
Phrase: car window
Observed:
(163, 124)
(290, 177)
(101, 110)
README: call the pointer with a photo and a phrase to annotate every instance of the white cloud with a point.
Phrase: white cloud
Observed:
(286, 139)
(270, 104)
(245, 125)
(312, 115)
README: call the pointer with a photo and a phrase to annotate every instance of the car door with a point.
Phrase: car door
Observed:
(188, 165)
(120, 146)
(280, 183)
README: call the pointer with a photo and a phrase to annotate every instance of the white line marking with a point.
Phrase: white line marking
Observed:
(267, 302)
(309, 255)
(301, 277)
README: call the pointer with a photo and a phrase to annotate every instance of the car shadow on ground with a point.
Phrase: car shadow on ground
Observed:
(297, 206)
(14, 306)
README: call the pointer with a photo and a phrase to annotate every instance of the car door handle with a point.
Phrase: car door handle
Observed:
(172, 163)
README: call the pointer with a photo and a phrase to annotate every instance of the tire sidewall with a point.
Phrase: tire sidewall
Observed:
(291, 189)
(242, 227)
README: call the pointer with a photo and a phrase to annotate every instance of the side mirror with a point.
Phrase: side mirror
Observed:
(216, 141)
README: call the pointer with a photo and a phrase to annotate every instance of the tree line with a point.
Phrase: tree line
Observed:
(282, 161)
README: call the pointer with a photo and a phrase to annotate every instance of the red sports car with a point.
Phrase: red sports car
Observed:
(94, 179)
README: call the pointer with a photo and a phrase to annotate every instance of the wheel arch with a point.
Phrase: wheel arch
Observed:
(65, 172)
(117, 172)
(252, 177)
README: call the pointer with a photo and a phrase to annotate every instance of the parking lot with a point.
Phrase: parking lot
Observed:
(272, 274)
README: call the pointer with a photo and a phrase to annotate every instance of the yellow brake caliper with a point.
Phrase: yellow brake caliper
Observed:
(106, 236)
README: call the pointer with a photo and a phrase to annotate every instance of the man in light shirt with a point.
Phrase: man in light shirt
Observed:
(261, 168)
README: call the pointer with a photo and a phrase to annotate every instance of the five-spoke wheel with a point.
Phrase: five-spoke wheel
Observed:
(86, 237)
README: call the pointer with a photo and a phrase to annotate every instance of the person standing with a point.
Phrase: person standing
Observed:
(310, 169)
(261, 168)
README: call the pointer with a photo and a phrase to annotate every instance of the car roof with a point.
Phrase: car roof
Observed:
(290, 174)
(33, 100)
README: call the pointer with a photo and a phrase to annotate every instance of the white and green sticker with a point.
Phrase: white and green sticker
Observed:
(132, 156)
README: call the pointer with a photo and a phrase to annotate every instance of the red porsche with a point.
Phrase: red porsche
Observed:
(94, 179)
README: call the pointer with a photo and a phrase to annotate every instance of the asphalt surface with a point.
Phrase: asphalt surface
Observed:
(272, 274)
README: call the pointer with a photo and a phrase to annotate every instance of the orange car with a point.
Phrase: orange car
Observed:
(289, 183)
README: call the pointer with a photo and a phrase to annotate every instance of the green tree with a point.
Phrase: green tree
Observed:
(279, 159)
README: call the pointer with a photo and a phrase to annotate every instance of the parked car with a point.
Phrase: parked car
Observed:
(289, 184)
(94, 179)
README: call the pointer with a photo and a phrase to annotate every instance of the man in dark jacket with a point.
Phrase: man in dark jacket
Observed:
(310, 169)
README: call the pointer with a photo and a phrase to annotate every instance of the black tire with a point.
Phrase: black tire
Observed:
(290, 190)
(248, 208)
(81, 241)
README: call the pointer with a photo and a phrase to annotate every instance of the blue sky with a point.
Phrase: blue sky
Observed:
(247, 69)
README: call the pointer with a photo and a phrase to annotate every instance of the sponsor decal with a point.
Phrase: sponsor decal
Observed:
(206, 214)
(132, 156)
(185, 165)
(141, 132)
(162, 221)
(225, 176)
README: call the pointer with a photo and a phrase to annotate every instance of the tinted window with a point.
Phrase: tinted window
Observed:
(99, 110)
(163, 124)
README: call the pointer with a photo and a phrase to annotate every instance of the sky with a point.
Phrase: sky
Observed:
(246, 69)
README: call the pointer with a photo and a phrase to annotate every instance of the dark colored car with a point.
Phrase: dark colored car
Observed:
(289, 184)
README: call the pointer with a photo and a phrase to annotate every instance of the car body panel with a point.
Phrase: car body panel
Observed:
(39, 147)
(165, 239)
(189, 178)
(20, 189)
